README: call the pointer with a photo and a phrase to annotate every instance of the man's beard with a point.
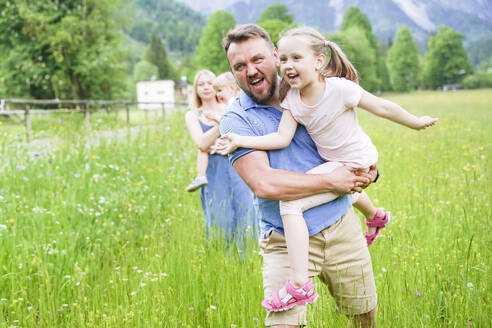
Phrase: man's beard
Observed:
(270, 94)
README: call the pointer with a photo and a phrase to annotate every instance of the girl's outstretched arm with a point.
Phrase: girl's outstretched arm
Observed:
(276, 140)
(393, 112)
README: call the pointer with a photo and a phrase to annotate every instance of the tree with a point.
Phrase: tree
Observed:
(353, 17)
(187, 68)
(404, 61)
(156, 54)
(61, 49)
(141, 30)
(145, 71)
(383, 74)
(355, 45)
(210, 54)
(276, 19)
(446, 60)
(276, 11)
(178, 25)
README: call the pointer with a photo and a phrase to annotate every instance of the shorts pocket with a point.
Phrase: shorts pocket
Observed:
(273, 243)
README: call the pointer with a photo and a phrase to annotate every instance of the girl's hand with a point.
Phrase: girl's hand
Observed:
(212, 117)
(213, 149)
(425, 121)
(228, 143)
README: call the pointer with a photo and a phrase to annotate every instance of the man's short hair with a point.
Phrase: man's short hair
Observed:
(242, 33)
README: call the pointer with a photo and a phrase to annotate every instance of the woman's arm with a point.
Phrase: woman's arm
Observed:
(393, 112)
(277, 140)
(202, 140)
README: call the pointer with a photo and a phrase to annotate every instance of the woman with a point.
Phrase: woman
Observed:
(226, 200)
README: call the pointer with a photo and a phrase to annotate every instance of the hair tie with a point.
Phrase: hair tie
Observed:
(327, 43)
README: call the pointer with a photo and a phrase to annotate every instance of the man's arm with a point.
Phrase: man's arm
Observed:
(266, 182)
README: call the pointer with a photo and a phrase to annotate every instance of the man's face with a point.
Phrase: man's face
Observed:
(253, 63)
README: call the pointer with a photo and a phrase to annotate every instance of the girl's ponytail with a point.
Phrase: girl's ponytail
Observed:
(339, 65)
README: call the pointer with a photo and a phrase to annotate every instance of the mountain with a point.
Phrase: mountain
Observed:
(473, 18)
(179, 25)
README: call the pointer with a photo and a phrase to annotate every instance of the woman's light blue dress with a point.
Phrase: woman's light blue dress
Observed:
(227, 201)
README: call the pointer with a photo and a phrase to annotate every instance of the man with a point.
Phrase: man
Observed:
(338, 251)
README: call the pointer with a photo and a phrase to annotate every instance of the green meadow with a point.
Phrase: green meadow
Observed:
(97, 230)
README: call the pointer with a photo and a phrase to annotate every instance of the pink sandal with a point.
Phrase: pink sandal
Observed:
(379, 221)
(295, 296)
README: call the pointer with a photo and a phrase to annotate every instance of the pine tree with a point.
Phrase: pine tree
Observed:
(210, 54)
(354, 18)
(157, 55)
(275, 20)
(446, 61)
(404, 61)
(276, 11)
(355, 45)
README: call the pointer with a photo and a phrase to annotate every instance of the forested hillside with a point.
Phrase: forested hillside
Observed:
(99, 49)
(178, 25)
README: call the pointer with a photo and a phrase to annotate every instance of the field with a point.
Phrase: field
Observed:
(99, 231)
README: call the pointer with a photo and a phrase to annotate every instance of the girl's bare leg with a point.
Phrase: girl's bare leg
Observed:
(364, 204)
(202, 163)
(297, 239)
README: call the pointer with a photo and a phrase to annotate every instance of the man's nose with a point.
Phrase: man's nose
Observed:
(252, 69)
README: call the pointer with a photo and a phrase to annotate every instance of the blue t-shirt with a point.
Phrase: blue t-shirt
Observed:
(247, 118)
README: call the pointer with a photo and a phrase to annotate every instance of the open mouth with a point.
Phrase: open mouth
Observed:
(256, 82)
(291, 77)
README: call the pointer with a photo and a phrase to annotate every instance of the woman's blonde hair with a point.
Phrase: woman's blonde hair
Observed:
(338, 64)
(196, 98)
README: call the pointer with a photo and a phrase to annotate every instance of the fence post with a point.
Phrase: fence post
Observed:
(127, 116)
(27, 121)
(87, 116)
(163, 108)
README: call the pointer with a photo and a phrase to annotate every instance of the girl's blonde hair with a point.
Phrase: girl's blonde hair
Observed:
(196, 98)
(225, 80)
(338, 64)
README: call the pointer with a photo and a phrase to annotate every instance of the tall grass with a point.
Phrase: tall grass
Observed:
(98, 231)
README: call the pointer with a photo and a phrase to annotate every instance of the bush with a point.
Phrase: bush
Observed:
(478, 80)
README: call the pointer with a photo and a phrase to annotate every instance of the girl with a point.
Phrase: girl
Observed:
(226, 91)
(226, 88)
(321, 96)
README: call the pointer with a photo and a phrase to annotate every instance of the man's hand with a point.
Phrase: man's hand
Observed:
(347, 180)
(371, 175)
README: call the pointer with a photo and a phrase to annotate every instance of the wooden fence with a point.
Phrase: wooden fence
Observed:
(27, 107)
